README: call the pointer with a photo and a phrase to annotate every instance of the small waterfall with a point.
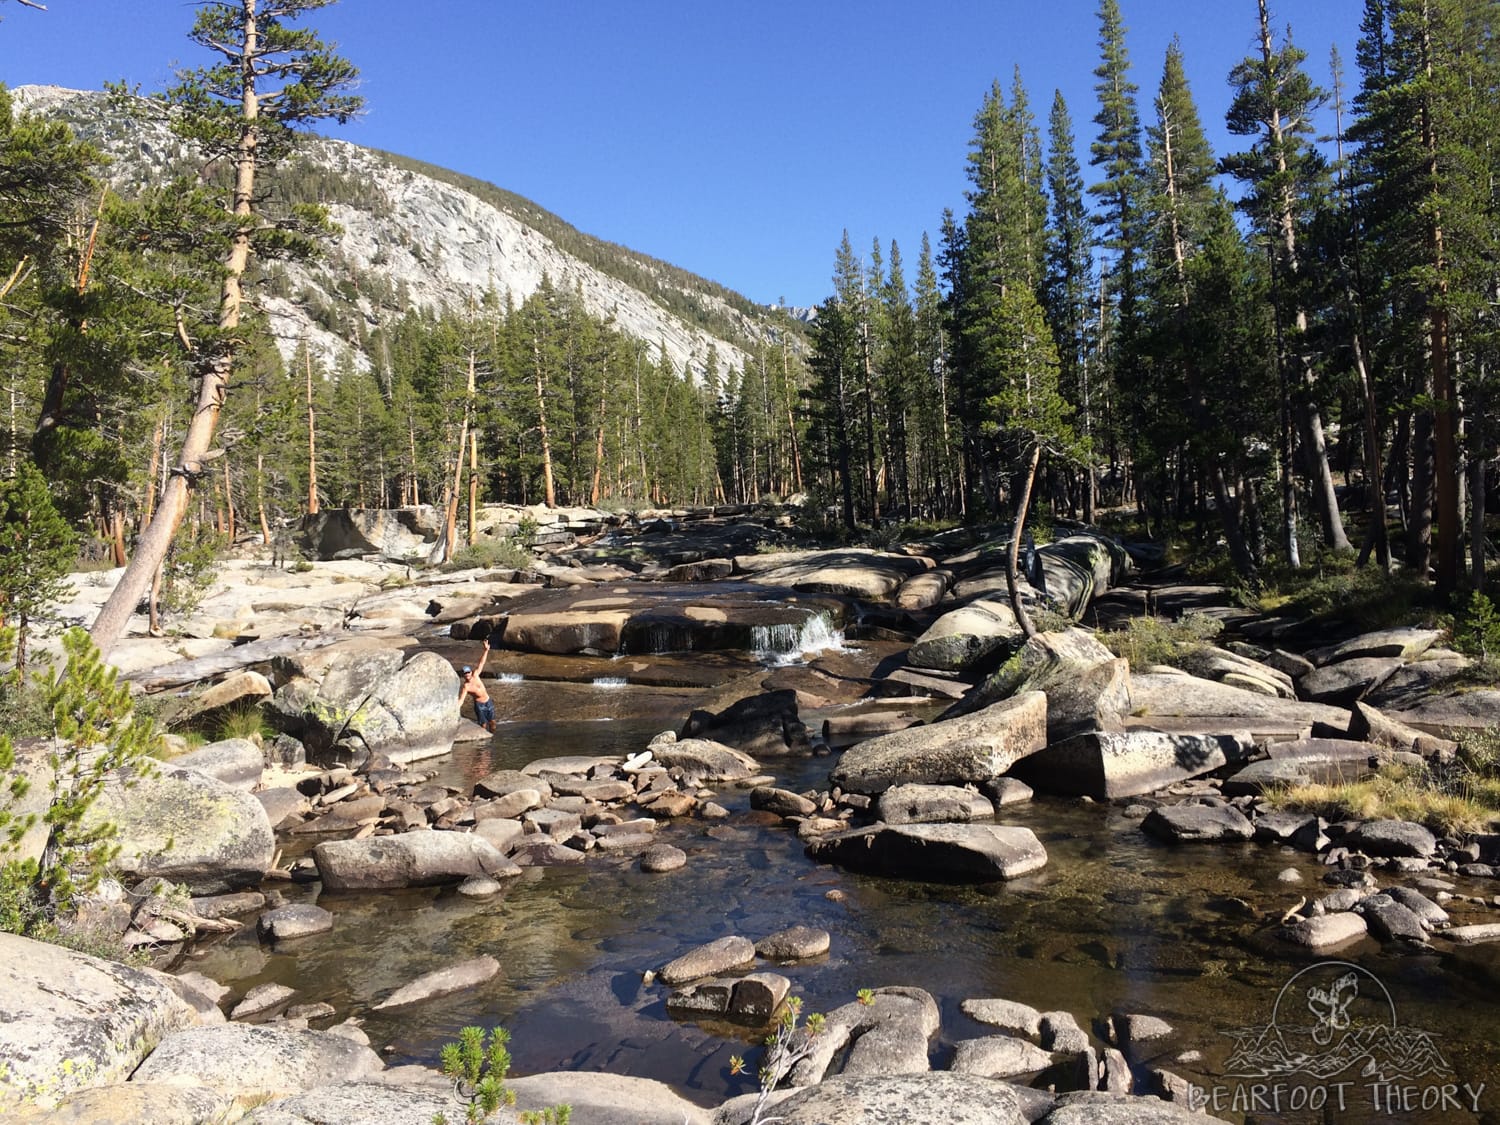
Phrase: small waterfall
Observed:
(510, 678)
(609, 681)
(661, 636)
(789, 643)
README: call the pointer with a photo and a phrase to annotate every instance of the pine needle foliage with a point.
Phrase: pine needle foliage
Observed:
(97, 740)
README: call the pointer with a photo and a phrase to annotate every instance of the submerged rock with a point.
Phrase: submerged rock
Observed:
(932, 804)
(709, 960)
(796, 943)
(1186, 823)
(442, 982)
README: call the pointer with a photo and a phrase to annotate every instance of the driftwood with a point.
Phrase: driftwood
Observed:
(184, 673)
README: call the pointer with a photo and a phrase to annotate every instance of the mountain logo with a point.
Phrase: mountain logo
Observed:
(1334, 1020)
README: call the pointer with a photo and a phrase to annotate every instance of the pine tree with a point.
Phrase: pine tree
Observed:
(272, 79)
(1118, 153)
(1070, 279)
(37, 549)
(1285, 180)
(1426, 169)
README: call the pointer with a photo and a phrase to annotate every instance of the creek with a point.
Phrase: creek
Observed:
(1115, 921)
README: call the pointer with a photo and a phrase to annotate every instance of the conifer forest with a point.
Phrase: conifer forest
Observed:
(1291, 347)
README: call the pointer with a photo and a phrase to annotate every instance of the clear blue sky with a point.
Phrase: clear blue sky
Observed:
(737, 140)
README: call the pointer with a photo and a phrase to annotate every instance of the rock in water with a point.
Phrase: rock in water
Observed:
(972, 749)
(936, 852)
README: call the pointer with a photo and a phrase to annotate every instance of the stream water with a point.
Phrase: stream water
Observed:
(1115, 921)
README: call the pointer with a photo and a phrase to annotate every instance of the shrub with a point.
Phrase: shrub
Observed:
(494, 554)
(1147, 641)
(36, 549)
(244, 722)
(189, 571)
(1367, 597)
(1476, 632)
(1456, 797)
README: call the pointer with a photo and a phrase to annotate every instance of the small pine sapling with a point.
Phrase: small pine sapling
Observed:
(479, 1067)
(97, 736)
(789, 1044)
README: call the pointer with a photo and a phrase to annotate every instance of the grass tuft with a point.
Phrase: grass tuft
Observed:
(1450, 798)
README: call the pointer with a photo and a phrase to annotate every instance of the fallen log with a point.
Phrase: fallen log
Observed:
(184, 673)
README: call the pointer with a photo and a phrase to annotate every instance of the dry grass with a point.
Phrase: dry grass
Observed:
(1453, 799)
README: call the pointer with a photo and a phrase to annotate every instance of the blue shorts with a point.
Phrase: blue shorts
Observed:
(484, 712)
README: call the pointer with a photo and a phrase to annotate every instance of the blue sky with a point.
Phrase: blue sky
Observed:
(737, 140)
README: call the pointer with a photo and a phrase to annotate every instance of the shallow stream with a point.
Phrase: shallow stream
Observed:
(1115, 921)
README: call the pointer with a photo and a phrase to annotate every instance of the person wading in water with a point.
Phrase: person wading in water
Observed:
(484, 709)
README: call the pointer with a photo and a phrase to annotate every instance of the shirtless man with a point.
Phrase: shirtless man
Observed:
(484, 710)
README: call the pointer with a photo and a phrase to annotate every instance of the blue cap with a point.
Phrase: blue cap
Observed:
(467, 669)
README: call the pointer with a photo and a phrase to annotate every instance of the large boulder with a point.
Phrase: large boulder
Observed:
(698, 760)
(33, 761)
(1450, 716)
(1370, 724)
(764, 724)
(1404, 643)
(374, 1101)
(1173, 694)
(234, 761)
(608, 1099)
(971, 749)
(935, 852)
(160, 1103)
(69, 1021)
(972, 634)
(1110, 764)
(1348, 680)
(412, 859)
(186, 827)
(934, 1098)
(1087, 686)
(371, 702)
(850, 571)
(396, 533)
(898, 1022)
(256, 1062)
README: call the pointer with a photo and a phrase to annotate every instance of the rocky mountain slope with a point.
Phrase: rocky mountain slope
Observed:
(419, 236)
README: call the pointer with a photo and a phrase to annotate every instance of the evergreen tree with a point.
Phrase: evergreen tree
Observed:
(37, 549)
(1427, 169)
(1285, 181)
(273, 77)
(1070, 278)
(1117, 153)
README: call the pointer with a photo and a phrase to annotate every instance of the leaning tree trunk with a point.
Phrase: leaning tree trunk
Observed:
(1012, 556)
(213, 373)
